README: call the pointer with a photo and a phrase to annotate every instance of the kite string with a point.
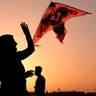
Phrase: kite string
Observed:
(37, 45)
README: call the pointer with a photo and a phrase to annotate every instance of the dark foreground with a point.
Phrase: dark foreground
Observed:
(69, 93)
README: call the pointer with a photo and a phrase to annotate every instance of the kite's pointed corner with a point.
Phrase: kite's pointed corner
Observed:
(62, 43)
(90, 13)
(51, 0)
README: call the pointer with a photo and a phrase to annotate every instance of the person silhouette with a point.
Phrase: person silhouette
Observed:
(40, 82)
(12, 72)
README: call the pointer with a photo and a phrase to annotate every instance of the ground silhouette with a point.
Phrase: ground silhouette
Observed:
(69, 93)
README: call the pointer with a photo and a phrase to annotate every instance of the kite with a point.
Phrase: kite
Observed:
(54, 19)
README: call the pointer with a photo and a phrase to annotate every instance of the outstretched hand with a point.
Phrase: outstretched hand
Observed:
(29, 73)
(25, 28)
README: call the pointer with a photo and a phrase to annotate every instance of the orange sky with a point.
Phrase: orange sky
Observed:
(68, 66)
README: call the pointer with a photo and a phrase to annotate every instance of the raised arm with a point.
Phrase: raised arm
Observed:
(30, 49)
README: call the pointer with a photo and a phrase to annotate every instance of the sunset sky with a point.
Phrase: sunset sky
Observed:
(69, 66)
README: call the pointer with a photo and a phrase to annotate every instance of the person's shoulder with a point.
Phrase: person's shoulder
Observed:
(42, 77)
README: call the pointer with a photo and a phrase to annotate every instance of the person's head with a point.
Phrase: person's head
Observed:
(38, 70)
(7, 43)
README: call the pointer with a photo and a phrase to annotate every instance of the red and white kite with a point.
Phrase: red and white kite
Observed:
(54, 19)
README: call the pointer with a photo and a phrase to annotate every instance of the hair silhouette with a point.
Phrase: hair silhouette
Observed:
(12, 71)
